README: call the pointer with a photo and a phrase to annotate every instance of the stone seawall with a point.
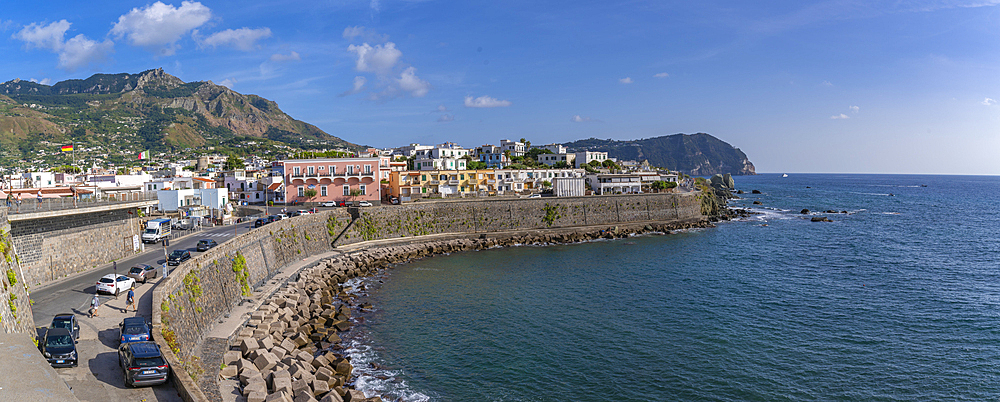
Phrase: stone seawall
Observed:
(54, 247)
(198, 292)
(15, 307)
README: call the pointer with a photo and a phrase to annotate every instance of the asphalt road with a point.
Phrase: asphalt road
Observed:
(98, 377)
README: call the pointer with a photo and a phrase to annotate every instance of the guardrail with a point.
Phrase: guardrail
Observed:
(32, 205)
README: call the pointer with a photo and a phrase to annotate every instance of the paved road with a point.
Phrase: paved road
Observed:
(98, 378)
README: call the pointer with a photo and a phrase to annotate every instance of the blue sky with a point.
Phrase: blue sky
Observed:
(831, 86)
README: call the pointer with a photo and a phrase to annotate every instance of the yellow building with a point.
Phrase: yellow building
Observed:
(412, 185)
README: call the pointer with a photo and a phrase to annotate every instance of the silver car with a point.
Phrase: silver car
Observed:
(142, 272)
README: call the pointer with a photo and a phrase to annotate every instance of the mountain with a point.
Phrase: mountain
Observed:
(118, 115)
(693, 154)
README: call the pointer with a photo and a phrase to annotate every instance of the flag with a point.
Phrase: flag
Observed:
(144, 155)
(67, 148)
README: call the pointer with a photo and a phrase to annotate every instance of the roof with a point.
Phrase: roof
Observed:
(144, 349)
(56, 332)
(134, 321)
(63, 315)
(274, 186)
(204, 179)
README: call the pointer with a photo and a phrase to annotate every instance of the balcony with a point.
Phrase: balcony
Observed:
(453, 182)
(491, 181)
(434, 182)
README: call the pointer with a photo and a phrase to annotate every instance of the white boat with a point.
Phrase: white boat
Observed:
(784, 175)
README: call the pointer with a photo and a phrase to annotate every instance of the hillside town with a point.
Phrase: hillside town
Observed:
(211, 185)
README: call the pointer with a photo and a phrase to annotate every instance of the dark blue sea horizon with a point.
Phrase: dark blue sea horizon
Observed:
(895, 300)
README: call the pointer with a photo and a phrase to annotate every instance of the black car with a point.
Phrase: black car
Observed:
(273, 218)
(260, 222)
(59, 348)
(205, 244)
(68, 322)
(178, 256)
(142, 364)
(135, 329)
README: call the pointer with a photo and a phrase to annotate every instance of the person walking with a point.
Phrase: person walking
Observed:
(94, 304)
(39, 199)
(130, 299)
(72, 189)
(18, 200)
(10, 200)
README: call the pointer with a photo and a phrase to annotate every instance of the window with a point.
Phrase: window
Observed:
(322, 190)
(302, 192)
(423, 177)
(362, 189)
(333, 169)
(462, 176)
(295, 170)
(368, 169)
(347, 189)
(312, 170)
(350, 169)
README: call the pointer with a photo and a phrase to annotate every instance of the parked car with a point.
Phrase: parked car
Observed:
(205, 244)
(110, 283)
(142, 364)
(68, 322)
(134, 329)
(301, 212)
(328, 204)
(535, 196)
(273, 218)
(260, 222)
(59, 348)
(364, 204)
(178, 256)
(142, 272)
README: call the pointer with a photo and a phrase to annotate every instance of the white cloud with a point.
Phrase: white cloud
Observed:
(376, 6)
(228, 83)
(79, 51)
(44, 36)
(626, 80)
(244, 39)
(442, 109)
(359, 84)
(855, 109)
(827, 84)
(485, 101)
(44, 81)
(409, 82)
(661, 75)
(378, 59)
(365, 34)
(294, 56)
(989, 102)
(446, 118)
(159, 26)
(581, 119)
(840, 116)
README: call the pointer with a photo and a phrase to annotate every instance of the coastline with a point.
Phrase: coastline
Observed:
(320, 305)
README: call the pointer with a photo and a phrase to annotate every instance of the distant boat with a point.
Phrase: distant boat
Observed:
(784, 175)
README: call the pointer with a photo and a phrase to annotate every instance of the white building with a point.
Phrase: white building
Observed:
(554, 148)
(516, 148)
(410, 150)
(586, 157)
(607, 183)
(519, 180)
(569, 186)
(552, 159)
(446, 156)
(493, 156)
(213, 198)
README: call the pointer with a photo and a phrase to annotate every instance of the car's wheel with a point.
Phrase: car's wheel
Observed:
(144, 280)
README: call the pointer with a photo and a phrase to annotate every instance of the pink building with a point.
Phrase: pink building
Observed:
(334, 179)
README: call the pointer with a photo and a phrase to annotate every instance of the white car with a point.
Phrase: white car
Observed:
(328, 204)
(364, 204)
(109, 283)
(535, 196)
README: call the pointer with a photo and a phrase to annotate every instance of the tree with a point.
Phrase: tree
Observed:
(595, 164)
(546, 183)
(560, 165)
(354, 195)
(190, 168)
(474, 165)
(610, 164)
(234, 163)
(309, 193)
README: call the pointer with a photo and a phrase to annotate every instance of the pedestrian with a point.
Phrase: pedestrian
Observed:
(118, 290)
(18, 199)
(10, 200)
(39, 197)
(72, 189)
(94, 304)
(130, 299)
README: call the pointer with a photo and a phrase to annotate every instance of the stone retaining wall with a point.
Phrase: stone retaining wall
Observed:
(194, 295)
(15, 308)
(54, 247)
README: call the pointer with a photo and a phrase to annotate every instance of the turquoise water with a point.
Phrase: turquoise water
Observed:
(899, 300)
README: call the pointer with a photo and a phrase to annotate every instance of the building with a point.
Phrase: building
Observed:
(493, 156)
(607, 183)
(410, 150)
(333, 179)
(531, 180)
(212, 198)
(554, 148)
(245, 187)
(515, 148)
(446, 156)
(569, 186)
(586, 157)
(552, 159)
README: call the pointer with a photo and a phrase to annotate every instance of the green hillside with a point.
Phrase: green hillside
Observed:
(694, 154)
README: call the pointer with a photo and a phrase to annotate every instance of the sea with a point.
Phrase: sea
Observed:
(896, 299)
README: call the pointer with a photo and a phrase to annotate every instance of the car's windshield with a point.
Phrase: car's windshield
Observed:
(135, 270)
(151, 231)
(62, 324)
(203, 242)
(134, 330)
(107, 280)
(59, 341)
(177, 253)
(149, 362)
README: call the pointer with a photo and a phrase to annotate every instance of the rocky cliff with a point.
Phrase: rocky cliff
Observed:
(693, 154)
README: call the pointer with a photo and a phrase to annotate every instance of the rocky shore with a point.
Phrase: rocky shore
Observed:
(290, 348)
